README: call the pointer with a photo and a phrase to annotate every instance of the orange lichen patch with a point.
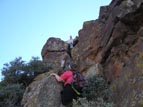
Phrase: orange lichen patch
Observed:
(116, 69)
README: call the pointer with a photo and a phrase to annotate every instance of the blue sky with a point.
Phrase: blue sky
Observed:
(25, 25)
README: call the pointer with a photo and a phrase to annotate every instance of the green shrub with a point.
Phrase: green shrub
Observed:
(17, 76)
(11, 95)
(96, 87)
(17, 71)
(83, 102)
(96, 93)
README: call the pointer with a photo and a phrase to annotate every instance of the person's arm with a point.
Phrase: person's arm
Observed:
(58, 78)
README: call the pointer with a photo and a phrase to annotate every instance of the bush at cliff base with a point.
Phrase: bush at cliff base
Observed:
(95, 93)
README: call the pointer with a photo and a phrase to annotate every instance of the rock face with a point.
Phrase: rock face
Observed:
(113, 42)
(89, 44)
(121, 51)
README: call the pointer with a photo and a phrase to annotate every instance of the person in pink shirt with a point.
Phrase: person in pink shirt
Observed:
(67, 94)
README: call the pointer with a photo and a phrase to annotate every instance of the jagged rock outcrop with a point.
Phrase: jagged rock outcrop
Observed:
(118, 47)
(121, 50)
(113, 42)
(89, 44)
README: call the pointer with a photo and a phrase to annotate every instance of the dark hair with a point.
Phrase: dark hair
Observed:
(73, 67)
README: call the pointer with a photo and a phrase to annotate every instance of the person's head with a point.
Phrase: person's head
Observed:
(70, 37)
(73, 67)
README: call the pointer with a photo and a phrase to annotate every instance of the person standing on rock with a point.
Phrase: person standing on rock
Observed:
(70, 42)
(70, 45)
(67, 94)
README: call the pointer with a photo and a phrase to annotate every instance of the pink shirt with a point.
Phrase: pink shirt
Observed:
(67, 77)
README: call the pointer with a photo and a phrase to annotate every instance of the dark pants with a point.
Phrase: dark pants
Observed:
(69, 51)
(68, 94)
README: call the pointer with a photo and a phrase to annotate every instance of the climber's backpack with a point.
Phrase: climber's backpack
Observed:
(78, 83)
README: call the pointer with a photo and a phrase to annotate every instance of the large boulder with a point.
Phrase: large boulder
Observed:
(53, 52)
(44, 91)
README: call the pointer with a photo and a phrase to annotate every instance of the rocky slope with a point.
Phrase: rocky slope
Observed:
(113, 42)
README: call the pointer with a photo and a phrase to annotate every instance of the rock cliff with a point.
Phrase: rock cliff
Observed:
(113, 42)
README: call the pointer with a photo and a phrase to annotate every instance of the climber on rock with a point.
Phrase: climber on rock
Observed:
(68, 93)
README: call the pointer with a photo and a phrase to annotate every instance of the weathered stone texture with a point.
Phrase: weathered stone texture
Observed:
(43, 92)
